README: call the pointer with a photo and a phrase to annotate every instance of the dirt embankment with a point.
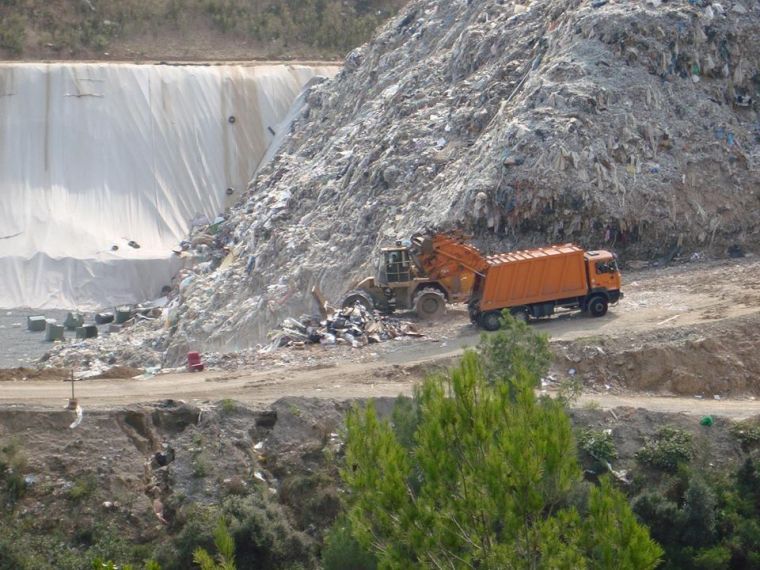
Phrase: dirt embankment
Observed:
(705, 360)
(23, 374)
(140, 470)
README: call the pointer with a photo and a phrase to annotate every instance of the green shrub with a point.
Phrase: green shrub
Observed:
(200, 466)
(747, 432)
(494, 466)
(343, 552)
(715, 558)
(699, 514)
(225, 546)
(313, 499)
(10, 558)
(669, 448)
(598, 444)
(514, 349)
(13, 33)
(570, 389)
(264, 537)
(82, 488)
(12, 465)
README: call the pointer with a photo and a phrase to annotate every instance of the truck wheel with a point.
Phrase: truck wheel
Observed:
(597, 306)
(491, 321)
(357, 296)
(429, 303)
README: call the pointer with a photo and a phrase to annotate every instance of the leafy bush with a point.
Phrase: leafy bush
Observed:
(12, 464)
(716, 558)
(343, 552)
(598, 444)
(713, 523)
(669, 448)
(196, 525)
(514, 349)
(405, 419)
(747, 432)
(225, 546)
(13, 33)
(313, 499)
(82, 488)
(263, 536)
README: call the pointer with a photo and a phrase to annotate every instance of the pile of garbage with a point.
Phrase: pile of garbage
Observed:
(610, 123)
(141, 345)
(354, 326)
(613, 124)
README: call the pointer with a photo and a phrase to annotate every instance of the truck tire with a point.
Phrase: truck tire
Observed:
(597, 306)
(491, 321)
(429, 303)
(357, 296)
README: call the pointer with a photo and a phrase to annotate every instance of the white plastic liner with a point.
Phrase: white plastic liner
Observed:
(97, 155)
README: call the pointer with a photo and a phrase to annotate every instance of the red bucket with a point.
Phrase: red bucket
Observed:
(194, 363)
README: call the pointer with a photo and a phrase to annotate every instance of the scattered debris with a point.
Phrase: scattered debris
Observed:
(163, 458)
(78, 420)
(352, 325)
(104, 318)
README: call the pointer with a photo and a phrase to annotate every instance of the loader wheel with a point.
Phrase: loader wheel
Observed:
(429, 303)
(491, 321)
(597, 306)
(357, 296)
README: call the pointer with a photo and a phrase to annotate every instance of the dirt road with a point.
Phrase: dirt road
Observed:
(660, 302)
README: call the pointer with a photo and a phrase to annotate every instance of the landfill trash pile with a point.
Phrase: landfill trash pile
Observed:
(355, 326)
(612, 124)
(141, 345)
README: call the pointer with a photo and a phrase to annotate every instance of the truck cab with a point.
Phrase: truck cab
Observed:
(603, 274)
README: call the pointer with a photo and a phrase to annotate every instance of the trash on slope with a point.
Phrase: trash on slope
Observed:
(352, 325)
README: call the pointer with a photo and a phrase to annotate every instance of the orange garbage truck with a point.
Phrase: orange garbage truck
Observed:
(536, 282)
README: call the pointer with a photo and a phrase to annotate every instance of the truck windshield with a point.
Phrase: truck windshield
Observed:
(608, 266)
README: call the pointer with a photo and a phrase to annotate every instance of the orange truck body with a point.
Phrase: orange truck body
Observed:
(534, 276)
(536, 282)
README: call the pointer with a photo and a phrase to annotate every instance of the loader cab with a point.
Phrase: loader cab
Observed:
(603, 271)
(397, 265)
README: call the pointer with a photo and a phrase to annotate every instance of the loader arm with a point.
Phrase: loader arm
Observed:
(443, 255)
(450, 261)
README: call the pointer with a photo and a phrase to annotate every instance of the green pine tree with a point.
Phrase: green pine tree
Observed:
(486, 480)
(225, 545)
